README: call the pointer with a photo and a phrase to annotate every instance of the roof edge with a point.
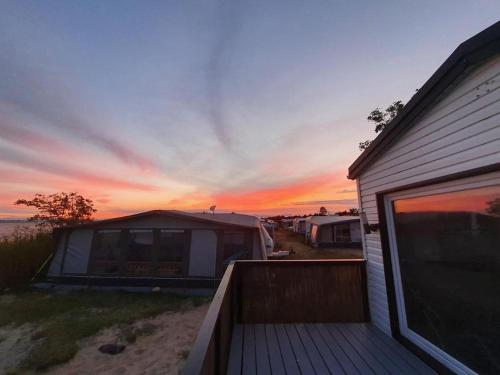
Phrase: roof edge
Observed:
(474, 50)
(168, 213)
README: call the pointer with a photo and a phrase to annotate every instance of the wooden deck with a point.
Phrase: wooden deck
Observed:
(337, 348)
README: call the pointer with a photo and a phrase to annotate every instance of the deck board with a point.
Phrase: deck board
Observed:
(249, 365)
(351, 352)
(399, 350)
(261, 353)
(317, 349)
(312, 351)
(236, 351)
(378, 365)
(303, 360)
(289, 360)
(393, 360)
(337, 351)
(275, 357)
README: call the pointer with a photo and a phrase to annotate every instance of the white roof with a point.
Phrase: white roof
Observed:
(220, 218)
(225, 218)
(320, 220)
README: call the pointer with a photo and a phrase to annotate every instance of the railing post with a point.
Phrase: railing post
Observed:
(211, 348)
(364, 288)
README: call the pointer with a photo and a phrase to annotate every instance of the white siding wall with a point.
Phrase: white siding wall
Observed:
(461, 132)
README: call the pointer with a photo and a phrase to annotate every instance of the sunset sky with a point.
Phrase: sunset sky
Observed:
(254, 106)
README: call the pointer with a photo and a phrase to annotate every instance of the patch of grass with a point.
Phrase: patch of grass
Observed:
(184, 354)
(63, 319)
(130, 334)
(299, 249)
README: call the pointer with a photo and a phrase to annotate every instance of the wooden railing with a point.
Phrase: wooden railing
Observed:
(210, 352)
(302, 291)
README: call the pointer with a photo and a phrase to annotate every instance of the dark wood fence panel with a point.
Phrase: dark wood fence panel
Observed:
(302, 291)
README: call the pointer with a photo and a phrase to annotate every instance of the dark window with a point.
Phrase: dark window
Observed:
(449, 258)
(139, 252)
(106, 252)
(235, 246)
(342, 233)
(171, 252)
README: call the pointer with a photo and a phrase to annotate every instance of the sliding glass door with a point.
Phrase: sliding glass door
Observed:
(445, 249)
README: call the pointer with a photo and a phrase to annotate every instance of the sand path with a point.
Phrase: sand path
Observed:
(162, 352)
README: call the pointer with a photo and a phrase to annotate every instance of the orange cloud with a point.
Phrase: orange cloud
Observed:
(315, 188)
(306, 195)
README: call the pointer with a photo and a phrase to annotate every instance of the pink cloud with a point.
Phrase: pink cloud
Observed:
(32, 140)
(83, 178)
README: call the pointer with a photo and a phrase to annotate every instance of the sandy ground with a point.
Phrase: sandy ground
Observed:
(15, 342)
(295, 242)
(162, 352)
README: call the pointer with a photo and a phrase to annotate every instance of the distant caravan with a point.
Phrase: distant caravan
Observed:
(335, 231)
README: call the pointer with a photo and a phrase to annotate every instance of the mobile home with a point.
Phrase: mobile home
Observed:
(299, 225)
(335, 231)
(429, 193)
(156, 249)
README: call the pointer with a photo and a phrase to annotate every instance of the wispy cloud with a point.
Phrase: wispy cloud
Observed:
(33, 140)
(290, 194)
(326, 202)
(227, 25)
(27, 90)
(345, 191)
(26, 160)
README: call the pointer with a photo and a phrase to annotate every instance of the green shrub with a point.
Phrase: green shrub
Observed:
(130, 334)
(21, 255)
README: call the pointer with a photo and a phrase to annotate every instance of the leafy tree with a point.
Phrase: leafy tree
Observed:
(60, 209)
(350, 212)
(323, 211)
(382, 119)
(494, 207)
(353, 212)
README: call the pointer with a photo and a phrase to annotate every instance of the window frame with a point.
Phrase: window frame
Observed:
(185, 257)
(339, 226)
(93, 256)
(247, 242)
(122, 259)
(125, 257)
(456, 185)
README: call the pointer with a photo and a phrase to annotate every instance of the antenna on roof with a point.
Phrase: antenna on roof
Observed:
(212, 208)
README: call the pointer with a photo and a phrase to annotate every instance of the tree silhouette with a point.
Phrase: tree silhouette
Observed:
(494, 207)
(382, 119)
(350, 212)
(60, 209)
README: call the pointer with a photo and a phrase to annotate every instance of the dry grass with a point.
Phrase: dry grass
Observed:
(291, 241)
(21, 255)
